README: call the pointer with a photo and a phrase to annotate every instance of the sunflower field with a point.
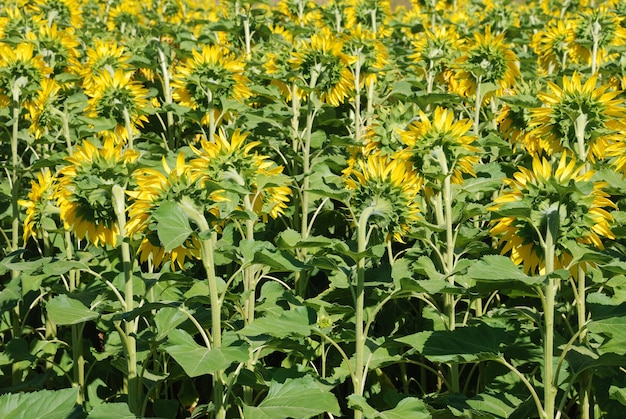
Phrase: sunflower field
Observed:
(255, 209)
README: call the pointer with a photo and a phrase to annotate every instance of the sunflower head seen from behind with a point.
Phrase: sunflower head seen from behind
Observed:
(388, 187)
(577, 116)
(84, 190)
(550, 192)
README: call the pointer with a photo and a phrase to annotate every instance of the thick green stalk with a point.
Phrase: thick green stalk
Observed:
(167, 95)
(550, 390)
(478, 105)
(130, 328)
(580, 126)
(449, 262)
(16, 329)
(359, 369)
(208, 262)
(301, 278)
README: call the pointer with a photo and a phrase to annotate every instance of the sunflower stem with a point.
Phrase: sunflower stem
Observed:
(302, 277)
(167, 95)
(478, 104)
(550, 390)
(15, 227)
(360, 373)
(208, 261)
(249, 288)
(130, 327)
(129, 128)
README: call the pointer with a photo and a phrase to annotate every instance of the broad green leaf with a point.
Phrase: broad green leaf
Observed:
(166, 319)
(409, 407)
(10, 295)
(64, 310)
(43, 404)
(464, 344)
(294, 398)
(618, 393)
(198, 360)
(496, 268)
(297, 321)
(172, 225)
(581, 358)
(60, 267)
(111, 410)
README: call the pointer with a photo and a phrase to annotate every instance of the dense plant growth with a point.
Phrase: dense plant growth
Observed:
(295, 210)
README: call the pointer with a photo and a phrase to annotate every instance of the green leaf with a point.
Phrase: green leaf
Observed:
(297, 321)
(294, 398)
(198, 360)
(64, 310)
(461, 345)
(44, 404)
(618, 393)
(172, 225)
(495, 268)
(111, 410)
(409, 407)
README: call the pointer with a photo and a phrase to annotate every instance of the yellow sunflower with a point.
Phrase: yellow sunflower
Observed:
(15, 22)
(65, 13)
(594, 113)
(209, 76)
(598, 29)
(38, 204)
(84, 190)
(304, 13)
(154, 187)
(371, 51)
(103, 56)
(119, 98)
(489, 59)
(125, 18)
(533, 194)
(57, 47)
(553, 44)
(231, 163)
(321, 65)
(41, 109)
(435, 52)
(20, 67)
(441, 136)
(371, 14)
(390, 186)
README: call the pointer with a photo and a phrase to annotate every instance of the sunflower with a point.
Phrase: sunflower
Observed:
(209, 76)
(21, 68)
(575, 106)
(119, 98)
(534, 194)
(38, 204)
(435, 52)
(443, 136)
(390, 186)
(103, 56)
(125, 18)
(599, 26)
(232, 164)
(373, 15)
(84, 190)
(304, 13)
(489, 59)
(321, 65)
(41, 108)
(553, 45)
(57, 47)
(65, 13)
(155, 187)
(514, 119)
(16, 23)
(372, 53)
